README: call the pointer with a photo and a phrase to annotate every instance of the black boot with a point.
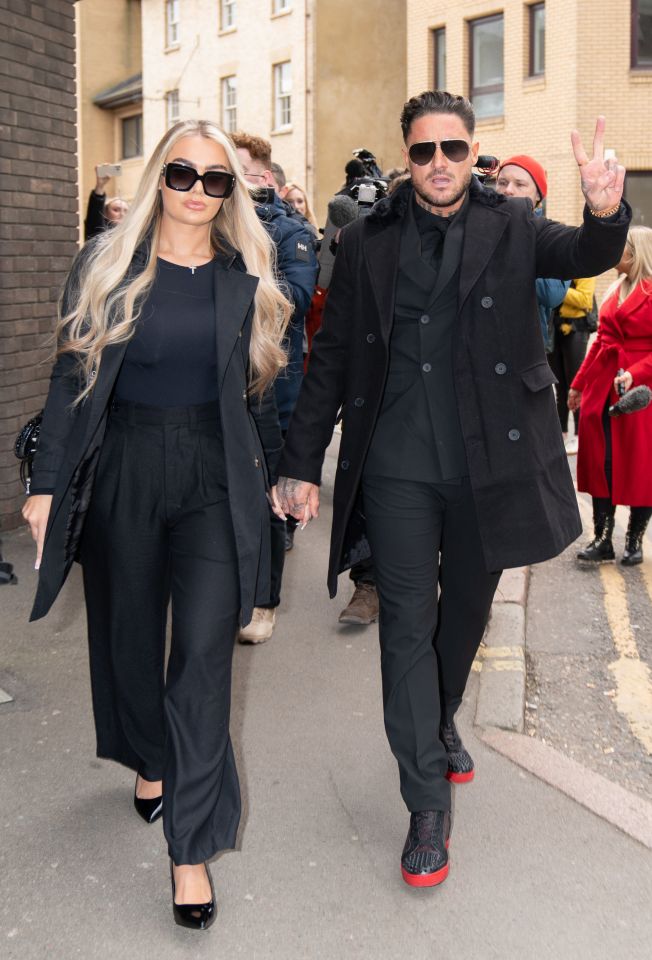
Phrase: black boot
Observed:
(600, 549)
(424, 862)
(460, 764)
(639, 517)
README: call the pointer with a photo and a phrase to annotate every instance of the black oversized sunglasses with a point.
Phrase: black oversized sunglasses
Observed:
(423, 152)
(216, 183)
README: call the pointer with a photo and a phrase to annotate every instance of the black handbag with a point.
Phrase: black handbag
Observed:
(26, 446)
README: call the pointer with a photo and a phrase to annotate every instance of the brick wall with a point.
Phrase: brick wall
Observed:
(38, 210)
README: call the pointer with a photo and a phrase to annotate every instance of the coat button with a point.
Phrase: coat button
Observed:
(358, 402)
(427, 367)
(256, 462)
(487, 302)
(500, 368)
(371, 337)
(244, 395)
(514, 434)
(425, 318)
(345, 464)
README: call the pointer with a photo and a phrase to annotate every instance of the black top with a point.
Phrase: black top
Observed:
(171, 360)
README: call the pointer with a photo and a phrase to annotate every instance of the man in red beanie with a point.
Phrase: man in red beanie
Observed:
(522, 176)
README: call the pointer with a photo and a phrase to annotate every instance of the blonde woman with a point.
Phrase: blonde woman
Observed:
(614, 462)
(297, 197)
(158, 444)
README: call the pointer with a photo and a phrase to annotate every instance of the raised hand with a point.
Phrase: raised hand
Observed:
(602, 180)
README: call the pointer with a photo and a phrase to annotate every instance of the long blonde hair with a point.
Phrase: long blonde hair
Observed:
(103, 307)
(639, 245)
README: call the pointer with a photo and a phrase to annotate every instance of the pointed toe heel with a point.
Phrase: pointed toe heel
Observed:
(149, 810)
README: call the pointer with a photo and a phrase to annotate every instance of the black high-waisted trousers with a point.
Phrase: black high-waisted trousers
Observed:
(159, 530)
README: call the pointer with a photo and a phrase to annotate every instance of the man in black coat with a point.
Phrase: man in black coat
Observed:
(451, 465)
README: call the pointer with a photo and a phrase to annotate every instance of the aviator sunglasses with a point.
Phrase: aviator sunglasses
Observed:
(216, 183)
(423, 152)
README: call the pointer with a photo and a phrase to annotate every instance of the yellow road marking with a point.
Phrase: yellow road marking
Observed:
(633, 677)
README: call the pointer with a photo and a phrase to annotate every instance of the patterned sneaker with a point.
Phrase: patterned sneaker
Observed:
(424, 862)
(460, 764)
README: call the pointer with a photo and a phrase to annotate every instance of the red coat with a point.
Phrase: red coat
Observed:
(624, 340)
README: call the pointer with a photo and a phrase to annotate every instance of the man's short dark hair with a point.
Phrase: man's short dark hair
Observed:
(437, 101)
(279, 174)
(353, 170)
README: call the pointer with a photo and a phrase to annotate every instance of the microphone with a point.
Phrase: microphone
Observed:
(342, 210)
(638, 398)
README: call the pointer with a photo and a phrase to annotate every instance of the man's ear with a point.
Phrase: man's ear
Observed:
(269, 179)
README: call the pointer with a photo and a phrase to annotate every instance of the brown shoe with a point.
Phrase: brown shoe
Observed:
(363, 605)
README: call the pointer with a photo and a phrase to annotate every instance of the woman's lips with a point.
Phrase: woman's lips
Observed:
(195, 205)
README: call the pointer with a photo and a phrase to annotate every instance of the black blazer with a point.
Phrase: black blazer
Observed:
(71, 438)
(527, 509)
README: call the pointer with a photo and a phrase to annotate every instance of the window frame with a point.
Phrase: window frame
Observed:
(277, 73)
(229, 110)
(491, 88)
(139, 142)
(172, 25)
(630, 180)
(278, 10)
(169, 99)
(439, 33)
(635, 64)
(228, 9)
(533, 9)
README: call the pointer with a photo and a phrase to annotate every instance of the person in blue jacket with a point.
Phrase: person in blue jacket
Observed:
(296, 266)
(523, 176)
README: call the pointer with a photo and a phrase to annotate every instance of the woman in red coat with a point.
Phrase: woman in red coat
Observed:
(614, 462)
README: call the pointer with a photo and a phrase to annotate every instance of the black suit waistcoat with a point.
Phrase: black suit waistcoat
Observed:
(418, 435)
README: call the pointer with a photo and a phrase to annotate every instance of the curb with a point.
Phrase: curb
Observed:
(501, 658)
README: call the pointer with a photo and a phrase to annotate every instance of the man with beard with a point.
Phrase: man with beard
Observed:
(451, 465)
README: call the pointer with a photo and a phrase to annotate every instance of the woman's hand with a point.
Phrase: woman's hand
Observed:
(574, 399)
(275, 504)
(36, 512)
(299, 498)
(626, 379)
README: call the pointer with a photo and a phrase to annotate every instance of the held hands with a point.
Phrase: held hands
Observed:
(574, 399)
(299, 499)
(602, 180)
(36, 511)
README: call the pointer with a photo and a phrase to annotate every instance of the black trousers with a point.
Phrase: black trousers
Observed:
(425, 535)
(159, 530)
(565, 360)
(277, 541)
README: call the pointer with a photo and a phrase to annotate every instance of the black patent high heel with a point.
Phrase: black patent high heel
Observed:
(150, 810)
(196, 916)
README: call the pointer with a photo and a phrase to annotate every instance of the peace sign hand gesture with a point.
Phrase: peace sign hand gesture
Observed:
(602, 180)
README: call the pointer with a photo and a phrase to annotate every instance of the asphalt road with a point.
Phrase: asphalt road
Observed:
(589, 655)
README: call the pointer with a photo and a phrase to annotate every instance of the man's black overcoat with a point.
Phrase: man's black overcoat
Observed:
(522, 486)
(71, 438)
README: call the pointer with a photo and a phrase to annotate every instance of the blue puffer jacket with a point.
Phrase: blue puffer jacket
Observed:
(550, 293)
(297, 273)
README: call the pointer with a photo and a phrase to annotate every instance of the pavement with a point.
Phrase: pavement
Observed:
(534, 872)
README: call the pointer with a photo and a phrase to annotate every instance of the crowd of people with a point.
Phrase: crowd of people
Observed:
(211, 338)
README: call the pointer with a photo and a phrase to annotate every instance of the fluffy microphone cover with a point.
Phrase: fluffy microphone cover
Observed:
(638, 398)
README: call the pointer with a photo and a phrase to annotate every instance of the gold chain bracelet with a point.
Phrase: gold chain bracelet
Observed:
(602, 214)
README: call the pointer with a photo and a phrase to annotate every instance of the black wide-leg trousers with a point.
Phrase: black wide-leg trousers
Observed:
(425, 536)
(159, 530)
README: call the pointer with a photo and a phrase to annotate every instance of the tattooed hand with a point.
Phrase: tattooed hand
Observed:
(299, 499)
(602, 180)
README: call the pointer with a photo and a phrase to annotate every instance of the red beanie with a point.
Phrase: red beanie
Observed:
(534, 168)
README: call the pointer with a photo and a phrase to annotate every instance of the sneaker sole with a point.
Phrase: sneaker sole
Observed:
(594, 563)
(425, 879)
(249, 641)
(360, 621)
(460, 777)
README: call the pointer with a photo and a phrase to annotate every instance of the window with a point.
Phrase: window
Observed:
(172, 107)
(638, 192)
(132, 136)
(439, 49)
(282, 95)
(280, 6)
(229, 104)
(537, 31)
(172, 21)
(486, 66)
(228, 14)
(642, 34)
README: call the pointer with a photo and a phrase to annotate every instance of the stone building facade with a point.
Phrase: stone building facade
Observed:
(38, 210)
